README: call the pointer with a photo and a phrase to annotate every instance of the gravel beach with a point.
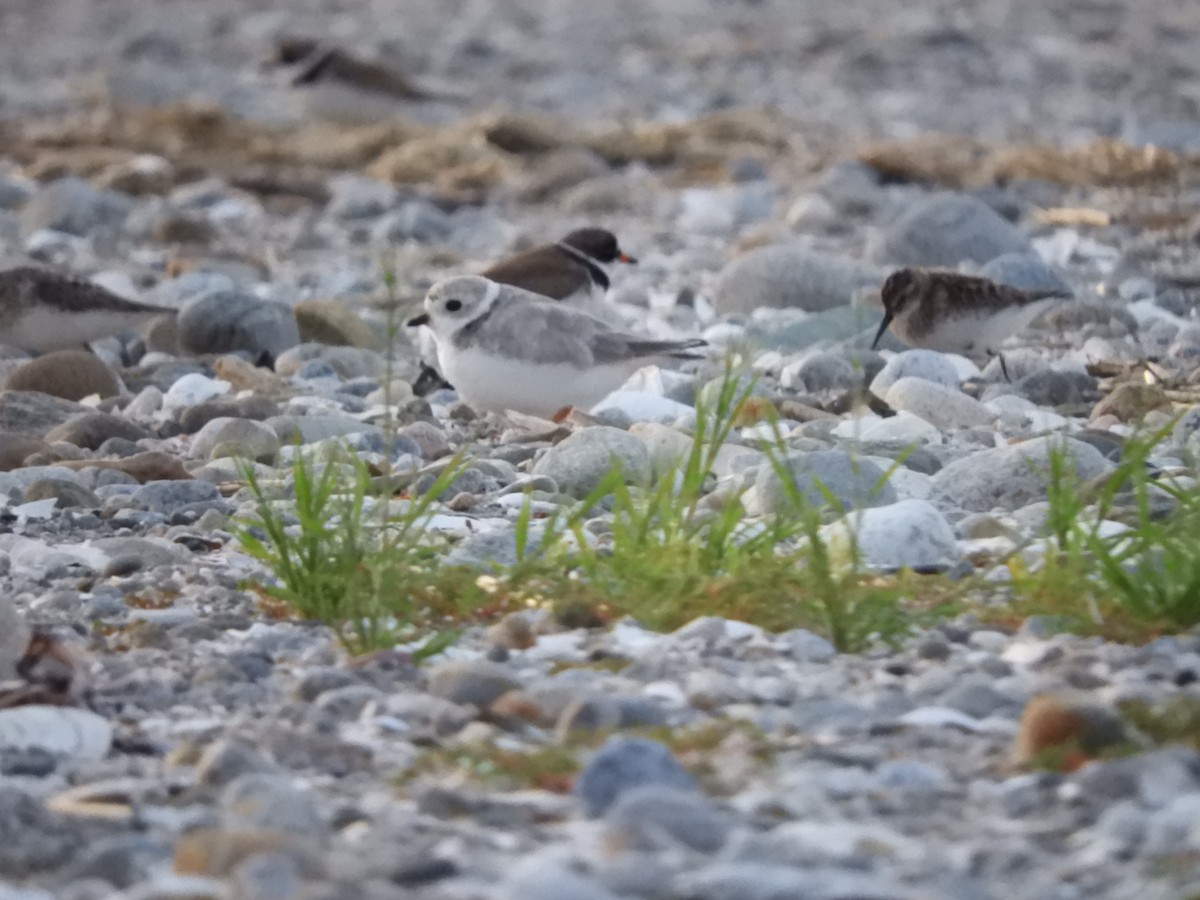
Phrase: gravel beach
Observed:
(169, 730)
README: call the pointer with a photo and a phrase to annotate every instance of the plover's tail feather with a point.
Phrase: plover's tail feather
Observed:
(673, 349)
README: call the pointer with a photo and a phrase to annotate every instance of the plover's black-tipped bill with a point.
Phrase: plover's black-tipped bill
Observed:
(627, 259)
(883, 326)
(422, 319)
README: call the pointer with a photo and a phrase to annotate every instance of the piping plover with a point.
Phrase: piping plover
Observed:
(954, 313)
(571, 270)
(508, 349)
(41, 310)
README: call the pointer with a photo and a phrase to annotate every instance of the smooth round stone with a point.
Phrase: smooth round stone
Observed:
(72, 206)
(91, 430)
(261, 800)
(1026, 271)
(474, 682)
(820, 372)
(331, 321)
(909, 534)
(66, 492)
(668, 447)
(166, 496)
(431, 441)
(70, 374)
(851, 482)
(625, 763)
(58, 730)
(927, 364)
(193, 389)
(791, 275)
(946, 229)
(1055, 387)
(642, 815)
(942, 406)
(904, 428)
(1014, 476)
(255, 440)
(227, 321)
(583, 460)
(641, 406)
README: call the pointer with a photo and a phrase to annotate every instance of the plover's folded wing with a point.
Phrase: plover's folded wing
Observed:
(616, 347)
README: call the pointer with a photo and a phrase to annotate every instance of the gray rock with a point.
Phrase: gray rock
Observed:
(536, 879)
(236, 437)
(1051, 387)
(805, 646)
(943, 406)
(767, 881)
(415, 220)
(976, 697)
(818, 477)
(166, 496)
(1026, 271)
(355, 197)
(263, 800)
(314, 429)
(643, 816)
(909, 534)
(1011, 477)
(624, 763)
(268, 876)
(34, 413)
(224, 761)
(791, 275)
(475, 682)
(821, 372)
(492, 550)
(226, 321)
(92, 429)
(67, 492)
(348, 362)
(583, 460)
(927, 364)
(945, 230)
(73, 206)
(19, 480)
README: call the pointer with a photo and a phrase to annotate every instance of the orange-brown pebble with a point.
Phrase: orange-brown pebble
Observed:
(1052, 722)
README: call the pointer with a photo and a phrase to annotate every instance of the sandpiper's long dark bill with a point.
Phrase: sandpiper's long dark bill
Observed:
(954, 313)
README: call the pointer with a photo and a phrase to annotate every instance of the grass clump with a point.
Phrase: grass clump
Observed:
(677, 550)
(372, 575)
(1122, 557)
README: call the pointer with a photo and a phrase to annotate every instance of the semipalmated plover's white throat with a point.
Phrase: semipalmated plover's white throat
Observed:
(572, 270)
(954, 313)
(41, 311)
(508, 349)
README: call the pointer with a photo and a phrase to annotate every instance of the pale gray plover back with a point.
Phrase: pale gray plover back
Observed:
(42, 310)
(507, 349)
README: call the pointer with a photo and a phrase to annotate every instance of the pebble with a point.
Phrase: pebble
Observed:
(819, 478)
(791, 276)
(228, 321)
(909, 534)
(623, 764)
(937, 404)
(946, 229)
(581, 462)
(927, 364)
(1011, 477)
(69, 374)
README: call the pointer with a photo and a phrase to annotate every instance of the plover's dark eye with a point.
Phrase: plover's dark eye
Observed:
(453, 305)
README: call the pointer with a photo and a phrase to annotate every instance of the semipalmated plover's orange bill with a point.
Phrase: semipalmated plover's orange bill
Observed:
(627, 259)
(415, 321)
(883, 326)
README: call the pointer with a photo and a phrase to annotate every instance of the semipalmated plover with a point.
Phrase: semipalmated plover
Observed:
(954, 313)
(41, 310)
(339, 86)
(572, 270)
(508, 349)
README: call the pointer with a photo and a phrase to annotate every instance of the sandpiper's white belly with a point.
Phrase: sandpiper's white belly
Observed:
(489, 381)
(974, 333)
(41, 329)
